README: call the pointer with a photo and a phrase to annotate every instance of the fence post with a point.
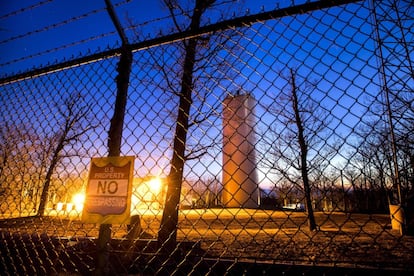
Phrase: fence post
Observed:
(114, 134)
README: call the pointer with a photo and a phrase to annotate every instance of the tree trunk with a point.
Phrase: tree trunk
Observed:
(168, 228)
(167, 234)
(46, 185)
(303, 155)
(114, 149)
(117, 121)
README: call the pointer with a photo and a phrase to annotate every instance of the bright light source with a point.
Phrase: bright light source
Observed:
(78, 200)
(59, 206)
(147, 194)
(154, 185)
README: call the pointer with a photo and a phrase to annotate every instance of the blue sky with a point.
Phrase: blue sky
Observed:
(49, 31)
(333, 47)
(56, 30)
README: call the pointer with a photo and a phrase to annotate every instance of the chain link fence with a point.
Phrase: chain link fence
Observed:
(279, 142)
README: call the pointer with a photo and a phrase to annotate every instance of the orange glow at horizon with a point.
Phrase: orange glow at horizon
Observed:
(147, 194)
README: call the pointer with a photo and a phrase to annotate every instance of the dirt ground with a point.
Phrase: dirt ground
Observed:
(342, 240)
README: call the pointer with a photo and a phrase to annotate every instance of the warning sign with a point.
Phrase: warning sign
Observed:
(108, 193)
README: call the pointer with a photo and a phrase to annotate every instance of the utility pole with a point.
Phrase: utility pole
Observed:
(396, 67)
(391, 20)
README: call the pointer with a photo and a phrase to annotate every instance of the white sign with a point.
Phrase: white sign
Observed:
(108, 193)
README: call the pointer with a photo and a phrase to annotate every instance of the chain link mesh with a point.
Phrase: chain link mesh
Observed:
(297, 153)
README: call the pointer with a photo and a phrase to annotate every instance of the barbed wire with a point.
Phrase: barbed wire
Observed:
(66, 46)
(59, 24)
(32, 7)
(53, 26)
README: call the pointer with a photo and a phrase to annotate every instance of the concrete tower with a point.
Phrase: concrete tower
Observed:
(240, 184)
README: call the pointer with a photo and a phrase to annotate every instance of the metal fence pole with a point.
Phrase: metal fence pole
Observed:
(115, 132)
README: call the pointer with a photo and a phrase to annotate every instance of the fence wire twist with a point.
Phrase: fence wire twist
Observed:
(279, 142)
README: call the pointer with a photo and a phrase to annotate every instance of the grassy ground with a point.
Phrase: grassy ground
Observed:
(344, 240)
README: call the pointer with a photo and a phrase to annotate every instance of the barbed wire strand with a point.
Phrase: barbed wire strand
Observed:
(32, 7)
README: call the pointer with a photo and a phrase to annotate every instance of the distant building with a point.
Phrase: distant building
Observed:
(240, 181)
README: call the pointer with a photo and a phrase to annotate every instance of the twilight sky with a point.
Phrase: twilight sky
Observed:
(333, 47)
(46, 31)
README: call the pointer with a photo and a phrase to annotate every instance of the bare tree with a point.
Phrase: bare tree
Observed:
(73, 122)
(372, 158)
(297, 146)
(384, 157)
(168, 229)
(191, 99)
(20, 166)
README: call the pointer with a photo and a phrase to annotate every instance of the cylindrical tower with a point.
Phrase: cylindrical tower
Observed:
(240, 185)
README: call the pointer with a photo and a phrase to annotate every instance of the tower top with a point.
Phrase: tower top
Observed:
(239, 93)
